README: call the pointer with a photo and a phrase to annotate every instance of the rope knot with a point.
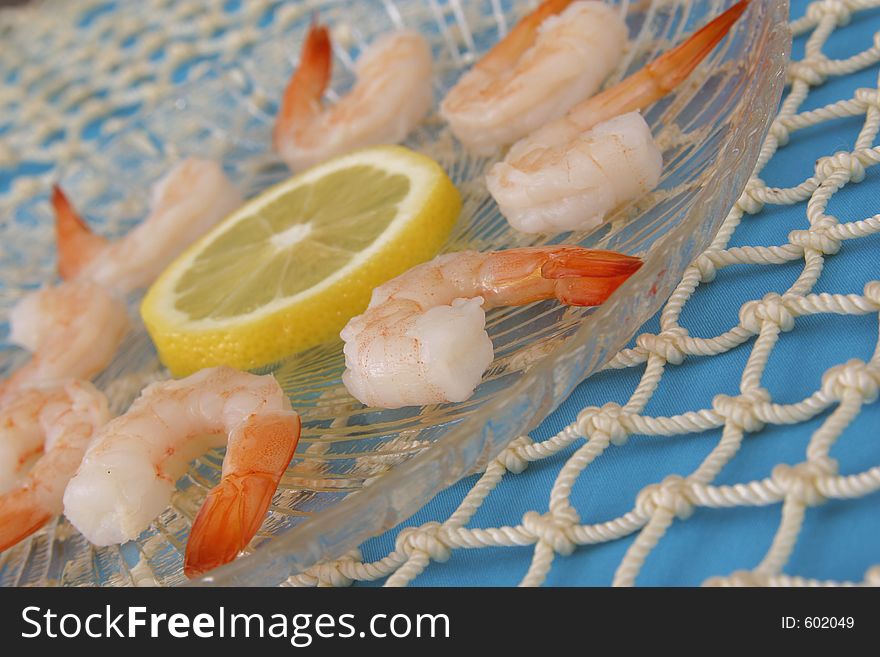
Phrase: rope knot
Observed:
(800, 481)
(706, 267)
(771, 308)
(805, 72)
(666, 345)
(510, 457)
(816, 239)
(553, 528)
(842, 162)
(866, 95)
(741, 411)
(423, 539)
(596, 423)
(670, 494)
(780, 132)
(329, 573)
(840, 10)
(872, 293)
(752, 198)
(854, 375)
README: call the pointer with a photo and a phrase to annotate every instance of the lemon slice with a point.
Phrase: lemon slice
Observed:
(287, 270)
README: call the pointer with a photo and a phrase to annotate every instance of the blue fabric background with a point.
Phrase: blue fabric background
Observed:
(840, 540)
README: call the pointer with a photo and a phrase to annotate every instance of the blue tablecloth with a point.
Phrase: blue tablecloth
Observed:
(840, 540)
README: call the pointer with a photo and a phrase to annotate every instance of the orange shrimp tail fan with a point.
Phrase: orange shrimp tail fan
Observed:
(256, 458)
(19, 517)
(228, 520)
(587, 277)
(677, 64)
(77, 244)
(302, 97)
(521, 37)
(661, 76)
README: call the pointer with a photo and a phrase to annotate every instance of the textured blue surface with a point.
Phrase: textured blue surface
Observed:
(840, 540)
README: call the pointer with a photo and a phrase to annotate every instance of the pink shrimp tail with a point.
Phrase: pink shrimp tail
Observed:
(674, 66)
(235, 508)
(302, 98)
(20, 516)
(521, 37)
(77, 244)
(587, 277)
(229, 518)
(658, 78)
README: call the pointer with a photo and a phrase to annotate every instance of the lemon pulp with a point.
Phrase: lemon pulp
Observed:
(287, 270)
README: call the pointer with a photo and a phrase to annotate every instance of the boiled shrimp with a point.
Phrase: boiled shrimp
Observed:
(185, 203)
(48, 429)
(570, 173)
(554, 58)
(72, 330)
(422, 339)
(391, 95)
(128, 473)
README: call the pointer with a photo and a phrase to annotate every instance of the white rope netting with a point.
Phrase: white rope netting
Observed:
(65, 84)
(845, 388)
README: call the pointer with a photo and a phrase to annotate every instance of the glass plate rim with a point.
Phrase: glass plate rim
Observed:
(307, 539)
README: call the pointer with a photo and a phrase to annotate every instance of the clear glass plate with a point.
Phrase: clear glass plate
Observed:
(359, 471)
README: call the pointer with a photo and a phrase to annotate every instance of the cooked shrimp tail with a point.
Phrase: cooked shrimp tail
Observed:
(576, 262)
(391, 95)
(573, 275)
(553, 59)
(127, 475)
(77, 244)
(520, 38)
(659, 77)
(571, 172)
(587, 277)
(258, 454)
(302, 98)
(423, 340)
(188, 200)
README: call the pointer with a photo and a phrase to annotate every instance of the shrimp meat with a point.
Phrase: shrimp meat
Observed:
(128, 473)
(191, 198)
(391, 95)
(422, 339)
(573, 185)
(570, 173)
(48, 429)
(549, 62)
(72, 329)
